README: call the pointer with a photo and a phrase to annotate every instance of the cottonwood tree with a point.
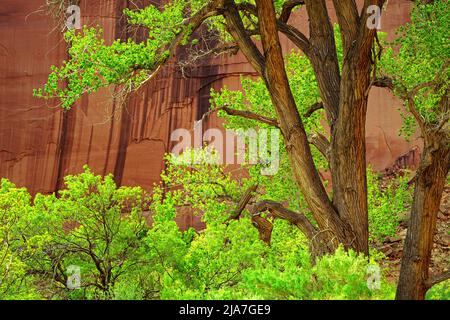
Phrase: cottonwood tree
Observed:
(254, 27)
(419, 73)
(14, 209)
(92, 227)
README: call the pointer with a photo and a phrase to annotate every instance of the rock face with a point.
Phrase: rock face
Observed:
(40, 144)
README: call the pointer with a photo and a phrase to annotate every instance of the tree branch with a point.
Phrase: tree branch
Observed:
(321, 143)
(318, 242)
(287, 8)
(241, 37)
(247, 196)
(264, 228)
(313, 108)
(297, 37)
(363, 39)
(437, 279)
(384, 82)
(278, 211)
(412, 105)
(348, 17)
(409, 96)
(291, 124)
(248, 115)
(189, 26)
(323, 57)
(212, 8)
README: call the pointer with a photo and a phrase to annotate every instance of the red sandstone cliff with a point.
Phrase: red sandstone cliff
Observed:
(40, 144)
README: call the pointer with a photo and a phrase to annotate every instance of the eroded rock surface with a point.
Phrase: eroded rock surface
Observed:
(40, 144)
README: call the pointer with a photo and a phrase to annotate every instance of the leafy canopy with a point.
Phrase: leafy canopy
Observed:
(421, 54)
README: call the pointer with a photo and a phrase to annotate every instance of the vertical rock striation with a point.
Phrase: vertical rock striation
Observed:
(40, 144)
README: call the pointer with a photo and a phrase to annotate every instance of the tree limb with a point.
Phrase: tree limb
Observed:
(264, 227)
(313, 108)
(409, 96)
(247, 196)
(278, 211)
(323, 57)
(194, 22)
(189, 26)
(384, 82)
(248, 115)
(297, 37)
(241, 37)
(412, 105)
(291, 124)
(318, 241)
(348, 17)
(363, 39)
(287, 8)
(321, 143)
(437, 279)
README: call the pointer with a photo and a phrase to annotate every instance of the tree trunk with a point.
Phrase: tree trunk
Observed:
(296, 140)
(345, 99)
(343, 220)
(431, 178)
(348, 154)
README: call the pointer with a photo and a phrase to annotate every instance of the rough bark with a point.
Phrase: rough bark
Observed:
(324, 58)
(348, 150)
(321, 143)
(414, 278)
(291, 126)
(264, 227)
(344, 98)
(348, 153)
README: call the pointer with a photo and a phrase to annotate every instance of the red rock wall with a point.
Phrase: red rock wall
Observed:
(40, 144)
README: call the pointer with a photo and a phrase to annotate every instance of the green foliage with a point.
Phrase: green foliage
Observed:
(228, 261)
(255, 97)
(339, 276)
(93, 64)
(422, 50)
(14, 209)
(215, 260)
(102, 229)
(92, 225)
(207, 187)
(440, 291)
(386, 204)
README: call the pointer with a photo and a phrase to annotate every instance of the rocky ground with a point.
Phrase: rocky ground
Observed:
(392, 247)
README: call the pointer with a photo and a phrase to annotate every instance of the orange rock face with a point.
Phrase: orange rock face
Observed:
(40, 144)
